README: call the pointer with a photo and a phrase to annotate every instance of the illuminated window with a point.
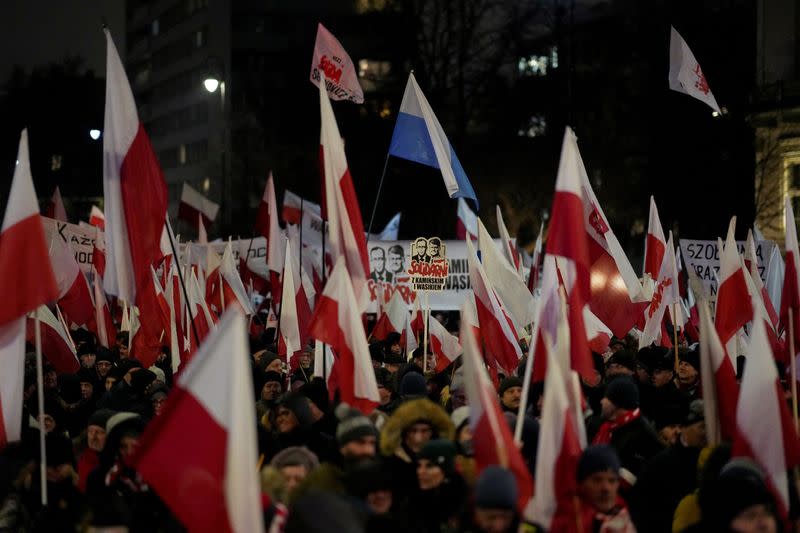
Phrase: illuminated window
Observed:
(535, 126)
(55, 162)
(154, 27)
(537, 65)
(182, 154)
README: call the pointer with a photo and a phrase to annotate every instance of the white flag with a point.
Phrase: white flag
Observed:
(685, 74)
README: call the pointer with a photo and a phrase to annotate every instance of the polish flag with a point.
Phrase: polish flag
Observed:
(444, 346)
(505, 279)
(765, 432)
(290, 340)
(337, 321)
(417, 320)
(135, 191)
(267, 225)
(345, 226)
(323, 363)
(559, 446)
(232, 288)
(466, 221)
(393, 319)
(492, 439)
(56, 207)
(56, 344)
(733, 309)
(776, 344)
(751, 263)
(213, 397)
(654, 245)
(172, 294)
(509, 246)
(617, 296)
(201, 316)
(168, 321)
(597, 334)
(74, 296)
(497, 329)
(26, 282)
(195, 207)
(685, 74)
(665, 297)
(568, 244)
(294, 206)
(718, 374)
(103, 325)
(99, 253)
(790, 295)
(536, 260)
(146, 341)
(97, 218)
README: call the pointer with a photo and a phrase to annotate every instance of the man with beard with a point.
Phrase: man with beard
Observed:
(95, 441)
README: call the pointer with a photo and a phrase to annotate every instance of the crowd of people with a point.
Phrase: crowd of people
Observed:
(407, 466)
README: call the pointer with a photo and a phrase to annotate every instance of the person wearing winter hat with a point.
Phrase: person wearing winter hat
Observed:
(495, 502)
(510, 392)
(457, 390)
(670, 475)
(95, 441)
(103, 362)
(621, 362)
(294, 463)
(271, 388)
(393, 361)
(319, 403)
(600, 506)
(87, 356)
(689, 373)
(376, 354)
(370, 482)
(293, 424)
(413, 386)
(465, 460)
(664, 394)
(383, 378)
(438, 497)
(271, 362)
(392, 344)
(624, 428)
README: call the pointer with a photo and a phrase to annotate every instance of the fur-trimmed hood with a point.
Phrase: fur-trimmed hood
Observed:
(409, 413)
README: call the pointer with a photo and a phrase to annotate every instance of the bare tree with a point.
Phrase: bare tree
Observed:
(769, 187)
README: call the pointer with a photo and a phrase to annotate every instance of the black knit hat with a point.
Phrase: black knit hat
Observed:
(271, 376)
(353, 425)
(317, 393)
(597, 458)
(376, 352)
(393, 359)
(85, 349)
(623, 358)
(623, 392)
(442, 453)
(690, 356)
(100, 417)
(496, 488)
(510, 381)
(741, 484)
(298, 404)
(413, 385)
(104, 354)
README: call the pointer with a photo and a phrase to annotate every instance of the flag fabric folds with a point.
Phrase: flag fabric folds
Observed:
(685, 74)
(193, 205)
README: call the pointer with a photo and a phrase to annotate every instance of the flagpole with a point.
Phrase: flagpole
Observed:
(40, 397)
(793, 367)
(675, 334)
(180, 278)
(324, 280)
(526, 386)
(377, 196)
(426, 316)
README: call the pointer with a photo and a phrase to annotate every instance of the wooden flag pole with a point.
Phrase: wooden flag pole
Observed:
(793, 370)
(675, 335)
(40, 398)
(426, 315)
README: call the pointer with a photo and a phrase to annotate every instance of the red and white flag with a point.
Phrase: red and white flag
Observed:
(466, 221)
(267, 225)
(733, 309)
(497, 329)
(194, 206)
(665, 297)
(765, 432)
(97, 218)
(201, 320)
(103, 326)
(290, 340)
(752, 264)
(536, 260)
(509, 245)
(790, 295)
(57, 347)
(74, 296)
(505, 279)
(232, 288)
(26, 282)
(294, 206)
(685, 74)
(559, 445)
(345, 225)
(444, 346)
(492, 439)
(393, 319)
(337, 321)
(655, 245)
(331, 62)
(55, 208)
(213, 397)
(99, 253)
(135, 191)
(718, 374)
(597, 334)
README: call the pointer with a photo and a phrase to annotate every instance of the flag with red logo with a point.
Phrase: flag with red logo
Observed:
(685, 74)
(331, 62)
(655, 245)
(665, 297)
(57, 347)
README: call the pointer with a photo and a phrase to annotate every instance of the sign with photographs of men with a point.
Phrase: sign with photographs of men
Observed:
(428, 268)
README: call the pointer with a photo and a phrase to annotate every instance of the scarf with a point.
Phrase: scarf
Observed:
(606, 430)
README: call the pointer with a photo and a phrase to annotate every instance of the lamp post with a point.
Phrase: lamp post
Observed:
(212, 84)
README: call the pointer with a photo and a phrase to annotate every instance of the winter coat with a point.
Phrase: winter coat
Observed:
(665, 480)
(437, 510)
(636, 443)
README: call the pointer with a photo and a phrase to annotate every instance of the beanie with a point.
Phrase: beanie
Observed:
(623, 358)
(368, 476)
(696, 413)
(298, 404)
(85, 349)
(597, 458)
(272, 376)
(510, 381)
(100, 418)
(141, 379)
(496, 488)
(440, 452)
(691, 357)
(160, 375)
(317, 393)
(295, 456)
(104, 354)
(740, 485)
(460, 417)
(353, 425)
(623, 392)
(413, 385)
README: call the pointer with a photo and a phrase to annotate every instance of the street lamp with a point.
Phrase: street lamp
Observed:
(94, 134)
(211, 84)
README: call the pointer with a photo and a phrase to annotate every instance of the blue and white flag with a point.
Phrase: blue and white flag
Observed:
(419, 137)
